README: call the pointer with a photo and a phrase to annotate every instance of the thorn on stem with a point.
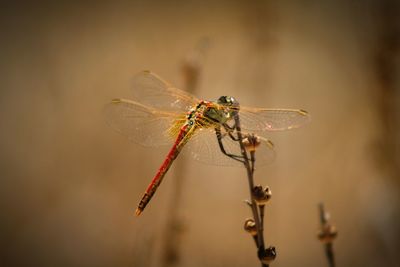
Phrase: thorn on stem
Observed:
(248, 202)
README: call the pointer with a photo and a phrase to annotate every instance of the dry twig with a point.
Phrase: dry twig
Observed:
(327, 234)
(258, 196)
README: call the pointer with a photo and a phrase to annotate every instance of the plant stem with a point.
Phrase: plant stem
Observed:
(328, 246)
(250, 176)
(329, 254)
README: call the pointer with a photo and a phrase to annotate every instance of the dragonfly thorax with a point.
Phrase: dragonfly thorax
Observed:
(223, 110)
(208, 112)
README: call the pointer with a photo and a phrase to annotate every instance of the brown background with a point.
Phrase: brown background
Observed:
(69, 184)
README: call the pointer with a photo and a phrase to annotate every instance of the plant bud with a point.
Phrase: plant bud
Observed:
(327, 234)
(267, 255)
(251, 142)
(250, 227)
(261, 195)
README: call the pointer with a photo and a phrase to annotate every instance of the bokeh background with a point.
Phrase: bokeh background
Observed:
(70, 185)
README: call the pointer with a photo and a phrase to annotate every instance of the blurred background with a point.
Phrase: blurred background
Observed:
(70, 184)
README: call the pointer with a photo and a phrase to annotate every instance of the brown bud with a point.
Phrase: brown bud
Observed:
(327, 234)
(251, 142)
(250, 227)
(261, 195)
(267, 255)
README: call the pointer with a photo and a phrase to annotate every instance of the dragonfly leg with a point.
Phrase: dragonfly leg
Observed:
(227, 127)
(229, 130)
(233, 137)
(221, 146)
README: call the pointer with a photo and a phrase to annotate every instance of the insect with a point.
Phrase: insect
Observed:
(164, 115)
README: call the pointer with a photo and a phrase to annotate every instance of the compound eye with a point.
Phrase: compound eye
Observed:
(222, 100)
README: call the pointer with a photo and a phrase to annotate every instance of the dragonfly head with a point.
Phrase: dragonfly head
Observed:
(230, 103)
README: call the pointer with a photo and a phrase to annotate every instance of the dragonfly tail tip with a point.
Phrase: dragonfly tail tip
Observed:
(138, 212)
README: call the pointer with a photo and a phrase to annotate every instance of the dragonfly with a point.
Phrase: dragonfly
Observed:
(161, 114)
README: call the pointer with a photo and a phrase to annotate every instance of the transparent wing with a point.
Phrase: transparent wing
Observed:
(262, 119)
(151, 90)
(141, 124)
(204, 147)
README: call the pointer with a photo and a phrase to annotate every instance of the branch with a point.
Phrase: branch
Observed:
(258, 196)
(327, 234)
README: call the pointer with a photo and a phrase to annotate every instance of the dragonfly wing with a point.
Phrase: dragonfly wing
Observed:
(149, 89)
(262, 119)
(204, 147)
(141, 124)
